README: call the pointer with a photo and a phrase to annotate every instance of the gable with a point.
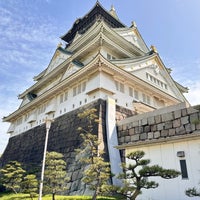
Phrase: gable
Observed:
(151, 70)
(159, 78)
(58, 58)
(133, 36)
(72, 68)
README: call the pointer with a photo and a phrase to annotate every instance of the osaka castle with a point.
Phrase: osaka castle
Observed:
(105, 64)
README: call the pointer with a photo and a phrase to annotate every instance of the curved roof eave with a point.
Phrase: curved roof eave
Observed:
(139, 80)
(98, 26)
(134, 60)
(41, 74)
(88, 69)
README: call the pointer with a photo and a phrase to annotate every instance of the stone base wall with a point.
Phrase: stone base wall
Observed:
(28, 147)
(153, 127)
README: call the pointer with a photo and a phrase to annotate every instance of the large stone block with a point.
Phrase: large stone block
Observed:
(151, 120)
(180, 130)
(197, 126)
(138, 129)
(143, 136)
(176, 123)
(164, 133)
(158, 119)
(150, 135)
(160, 126)
(167, 116)
(188, 128)
(177, 114)
(172, 132)
(157, 134)
(144, 121)
(147, 129)
(135, 137)
(184, 112)
(154, 128)
(184, 120)
(127, 139)
(131, 131)
(168, 124)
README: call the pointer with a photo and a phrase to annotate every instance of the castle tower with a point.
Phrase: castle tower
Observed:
(102, 63)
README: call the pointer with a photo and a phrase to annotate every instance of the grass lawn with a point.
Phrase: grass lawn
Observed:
(49, 197)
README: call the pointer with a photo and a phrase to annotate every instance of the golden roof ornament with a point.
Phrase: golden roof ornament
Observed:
(154, 49)
(133, 24)
(113, 12)
(59, 45)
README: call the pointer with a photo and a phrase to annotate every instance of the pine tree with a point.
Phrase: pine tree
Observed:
(55, 175)
(97, 171)
(135, 179)
(192, 192)
(12, 176)
(30, 185)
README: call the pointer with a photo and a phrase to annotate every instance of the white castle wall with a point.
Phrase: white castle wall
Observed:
(165, 155)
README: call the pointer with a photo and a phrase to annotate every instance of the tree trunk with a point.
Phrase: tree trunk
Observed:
(53, 196)
(94, 197)
(135, 194)
(14, 190)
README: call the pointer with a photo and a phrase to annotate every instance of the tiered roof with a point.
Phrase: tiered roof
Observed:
(81, 25)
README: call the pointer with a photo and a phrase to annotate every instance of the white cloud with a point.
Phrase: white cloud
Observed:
(187, 73)
(27, 42)
(194, 93)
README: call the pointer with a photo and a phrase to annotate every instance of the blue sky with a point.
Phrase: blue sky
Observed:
(30, 31)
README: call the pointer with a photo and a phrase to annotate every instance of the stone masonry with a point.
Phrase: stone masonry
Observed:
(28, 147)
(172, 122)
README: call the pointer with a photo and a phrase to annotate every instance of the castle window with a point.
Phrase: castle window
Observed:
(74, 91)
(136, 94)
(143, 97)
(130, 91)
(79, 88)
(183, 166)
(146, 98)
(61, 98)
(26, 117)
(41, 109)
(83, 86)
(156, 81)
(119, 86)
(110, 57)
(66, 95)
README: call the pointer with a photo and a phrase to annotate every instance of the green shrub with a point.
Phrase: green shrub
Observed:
(20, 196)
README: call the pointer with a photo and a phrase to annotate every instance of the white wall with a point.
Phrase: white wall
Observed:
(165, 155)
